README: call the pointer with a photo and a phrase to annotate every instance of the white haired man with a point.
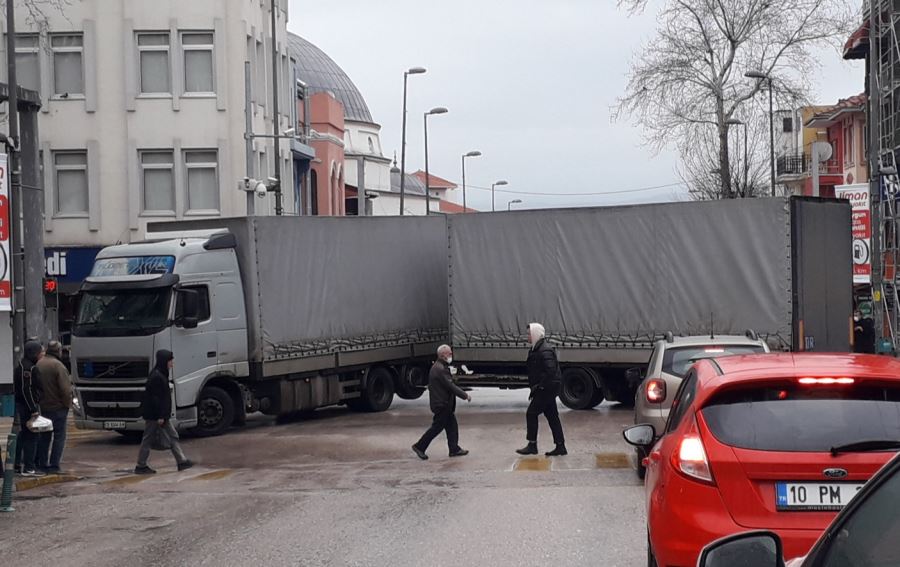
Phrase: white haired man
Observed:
(544, 379)
(442, 393)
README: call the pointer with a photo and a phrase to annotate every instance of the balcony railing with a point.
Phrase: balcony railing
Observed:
(800, 164)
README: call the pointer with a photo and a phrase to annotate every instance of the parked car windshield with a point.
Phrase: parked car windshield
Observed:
(122, 313)
(678, 360)
(797, 418)
(869, 537)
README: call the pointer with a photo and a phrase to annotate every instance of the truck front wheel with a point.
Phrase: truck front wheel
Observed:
(215, 412)
(578, 389)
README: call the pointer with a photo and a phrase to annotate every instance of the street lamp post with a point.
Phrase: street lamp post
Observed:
(736, 122)
(436, 110)
(406, 74)
(765, 76)
(511, 203)
(474, 153)
(494, 186)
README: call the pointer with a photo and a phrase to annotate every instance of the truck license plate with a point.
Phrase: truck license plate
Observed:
(815, 496)
(113, 425)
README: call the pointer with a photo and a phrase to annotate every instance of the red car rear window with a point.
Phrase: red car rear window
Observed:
(797, 418)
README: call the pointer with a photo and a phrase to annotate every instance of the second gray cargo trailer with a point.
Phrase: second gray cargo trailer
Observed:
(608, 282)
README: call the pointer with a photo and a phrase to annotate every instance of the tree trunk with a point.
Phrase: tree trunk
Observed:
(724, 162)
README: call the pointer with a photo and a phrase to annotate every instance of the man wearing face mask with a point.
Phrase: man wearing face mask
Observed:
(442, 393)
(863, 334)
(544, 379)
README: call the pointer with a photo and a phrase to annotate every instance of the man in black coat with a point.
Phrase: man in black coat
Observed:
(544, 379)
(28, 393)
(442, 393)
(156, 409)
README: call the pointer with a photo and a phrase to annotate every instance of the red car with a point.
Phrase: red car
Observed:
(774, 441)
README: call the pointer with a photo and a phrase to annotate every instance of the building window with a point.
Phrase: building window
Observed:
(202, 180)
(787, 125)
(260, 71)
(28, 62)
(153, 50)
(848, 143)
(68, 64)
(158, 181)
(70, 171)
(198, 62)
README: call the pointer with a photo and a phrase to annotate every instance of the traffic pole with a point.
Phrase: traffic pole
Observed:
(9, 475)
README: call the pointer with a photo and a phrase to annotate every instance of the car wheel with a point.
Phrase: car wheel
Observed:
(641, 469)
(597, 398)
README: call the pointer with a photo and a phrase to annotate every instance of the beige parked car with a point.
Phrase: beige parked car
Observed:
(671, 360)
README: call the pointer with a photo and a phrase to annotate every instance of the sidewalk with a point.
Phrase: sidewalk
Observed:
(73, 437)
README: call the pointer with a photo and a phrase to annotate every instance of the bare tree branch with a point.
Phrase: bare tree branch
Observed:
(686, 84)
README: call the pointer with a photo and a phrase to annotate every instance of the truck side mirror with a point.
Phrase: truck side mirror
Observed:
(190, 308)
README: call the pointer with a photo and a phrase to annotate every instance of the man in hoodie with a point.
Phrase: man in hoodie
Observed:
(55, 405)
(156, 409)
(28, 393)
(544, 379)
(442, 394)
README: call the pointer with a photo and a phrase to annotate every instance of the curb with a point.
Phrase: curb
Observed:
(23, 484)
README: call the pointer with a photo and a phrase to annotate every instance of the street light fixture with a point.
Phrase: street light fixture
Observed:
(736, 122)
(493, 186)
(435, 110)
(406, 74)
(511, 203)
(474, 153)
(759, 75)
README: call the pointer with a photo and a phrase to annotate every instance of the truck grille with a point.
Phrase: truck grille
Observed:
(113, 369)
(111, 404)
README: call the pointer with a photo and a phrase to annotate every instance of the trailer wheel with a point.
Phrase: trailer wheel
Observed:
(578, 389)
(597, 398)
(408, 387)
(378, 393)
(215, 412)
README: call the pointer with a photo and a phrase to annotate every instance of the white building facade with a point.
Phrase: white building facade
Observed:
(143, 115)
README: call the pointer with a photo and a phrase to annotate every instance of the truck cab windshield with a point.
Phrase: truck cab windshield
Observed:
(118, 313)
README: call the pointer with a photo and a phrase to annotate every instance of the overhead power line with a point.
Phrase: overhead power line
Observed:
(592, 194)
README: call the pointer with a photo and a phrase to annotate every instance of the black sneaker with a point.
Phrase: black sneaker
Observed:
(421, 454)
(185, 465)
(144, 470)
(459, 453)
(34, 473)
(18, 469)
(53, 470)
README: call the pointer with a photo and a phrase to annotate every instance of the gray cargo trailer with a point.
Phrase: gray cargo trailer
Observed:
(270, 314)
(608, 282)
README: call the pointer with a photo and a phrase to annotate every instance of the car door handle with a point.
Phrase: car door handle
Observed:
(211, 354)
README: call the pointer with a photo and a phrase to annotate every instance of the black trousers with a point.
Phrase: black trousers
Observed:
(444, 420)
(543, 403)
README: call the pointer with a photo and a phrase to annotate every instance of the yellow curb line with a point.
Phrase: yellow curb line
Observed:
(214, 475)
(29, 483)
(533, 464)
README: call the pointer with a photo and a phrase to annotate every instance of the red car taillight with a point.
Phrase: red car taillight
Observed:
(690, 458)
(656, 391)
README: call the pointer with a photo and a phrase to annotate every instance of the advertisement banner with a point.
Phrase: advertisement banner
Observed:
(858, 195)
(5, 260)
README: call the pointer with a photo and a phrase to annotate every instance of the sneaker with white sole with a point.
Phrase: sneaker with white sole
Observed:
(34, 473)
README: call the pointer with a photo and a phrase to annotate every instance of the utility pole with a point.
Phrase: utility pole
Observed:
(248, 137)
(276, 119)
(874, 123)
(15, 189)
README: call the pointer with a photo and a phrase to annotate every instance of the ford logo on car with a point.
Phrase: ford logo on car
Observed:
(835, 473)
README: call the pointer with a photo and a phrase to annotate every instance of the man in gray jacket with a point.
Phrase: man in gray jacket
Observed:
(55, 406)
(442, 393)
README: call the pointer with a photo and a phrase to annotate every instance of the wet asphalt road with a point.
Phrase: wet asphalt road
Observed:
(341, 488)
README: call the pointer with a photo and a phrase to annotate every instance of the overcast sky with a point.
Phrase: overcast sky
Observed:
(530, 83)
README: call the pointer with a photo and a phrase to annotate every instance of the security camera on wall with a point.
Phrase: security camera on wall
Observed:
(261, 189)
